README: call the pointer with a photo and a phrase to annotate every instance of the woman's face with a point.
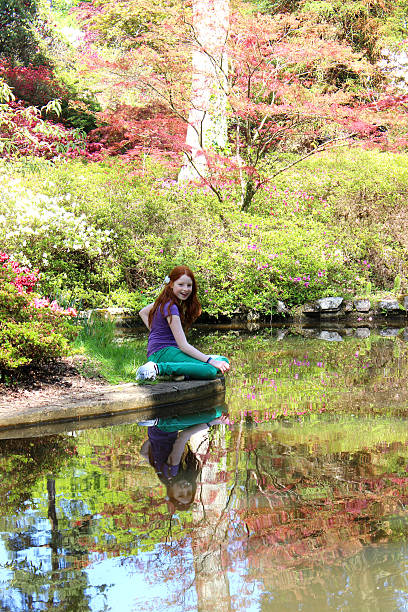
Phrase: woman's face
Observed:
(182, 491)
(183, 287)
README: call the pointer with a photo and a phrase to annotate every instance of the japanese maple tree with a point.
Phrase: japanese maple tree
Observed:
(290, 89)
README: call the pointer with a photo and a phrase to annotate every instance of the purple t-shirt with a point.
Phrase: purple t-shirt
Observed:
(162, 443)
(160, 334)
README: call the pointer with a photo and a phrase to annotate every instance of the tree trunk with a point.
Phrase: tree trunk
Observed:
(247, 196)
(207, 124)
(210, 542)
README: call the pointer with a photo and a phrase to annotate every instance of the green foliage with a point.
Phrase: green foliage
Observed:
(397, 284)
(121, 24)
(246, 262)
(29, 334)
(107, 237)
(395, 24)
(277, 6)
(365, 191)
(66, 245)
(30, 341)
(366, 26)
(6, 94)
(17, 33)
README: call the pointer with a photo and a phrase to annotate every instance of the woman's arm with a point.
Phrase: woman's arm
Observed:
(180, 337)
(179, 445)
(144, 314)
(144, 451)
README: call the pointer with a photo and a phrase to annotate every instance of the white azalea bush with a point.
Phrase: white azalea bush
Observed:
(40, 231)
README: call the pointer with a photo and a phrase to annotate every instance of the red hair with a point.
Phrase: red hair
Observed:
(189, 309)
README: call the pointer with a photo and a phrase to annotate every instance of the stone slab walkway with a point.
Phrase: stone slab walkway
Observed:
(141, 401)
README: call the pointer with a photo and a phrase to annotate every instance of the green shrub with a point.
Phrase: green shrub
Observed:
(18, 37)
(31, 341)
(41, 233)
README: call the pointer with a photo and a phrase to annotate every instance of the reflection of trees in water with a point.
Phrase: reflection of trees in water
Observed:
(24, 462)
(52, 578)
(361, 582)
(311, 524)
(306, 522)
(193, 555)
(307, 375)
(210, 539)
(48, 578)
(318, 522)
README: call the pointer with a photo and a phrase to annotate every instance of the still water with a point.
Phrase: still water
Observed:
(299, 501)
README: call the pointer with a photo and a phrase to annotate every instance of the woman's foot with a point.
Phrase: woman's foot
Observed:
(148, 371)
(180, 377)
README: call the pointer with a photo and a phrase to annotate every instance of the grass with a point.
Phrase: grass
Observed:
(115, 358)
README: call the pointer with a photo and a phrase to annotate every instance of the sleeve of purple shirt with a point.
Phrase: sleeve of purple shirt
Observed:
(171, 310)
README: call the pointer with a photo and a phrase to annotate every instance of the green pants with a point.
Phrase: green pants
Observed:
(188, 420)
(173, 362)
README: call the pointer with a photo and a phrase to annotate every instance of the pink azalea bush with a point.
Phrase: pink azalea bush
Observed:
(21, 277)
(32, 329)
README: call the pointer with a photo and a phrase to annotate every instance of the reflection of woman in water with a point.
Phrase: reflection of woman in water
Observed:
(168, 451)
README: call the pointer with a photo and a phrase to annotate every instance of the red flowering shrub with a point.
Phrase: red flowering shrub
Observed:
(24, 132)
(31, 328)
(33, 84)
(131, 132)
(21, 277)
(38, 85)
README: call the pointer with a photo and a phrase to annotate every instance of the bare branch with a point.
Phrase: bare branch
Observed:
(316, 150)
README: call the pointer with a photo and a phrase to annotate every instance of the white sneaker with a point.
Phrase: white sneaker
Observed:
(148, 371)
(149, 423)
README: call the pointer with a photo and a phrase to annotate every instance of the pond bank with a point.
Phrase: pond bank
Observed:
(147, 402)
(334, 309)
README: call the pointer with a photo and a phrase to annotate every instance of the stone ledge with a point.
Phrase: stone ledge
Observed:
(147, 401)
(331, 308)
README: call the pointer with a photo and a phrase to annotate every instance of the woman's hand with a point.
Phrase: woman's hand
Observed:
(222, 420)
(223, 366)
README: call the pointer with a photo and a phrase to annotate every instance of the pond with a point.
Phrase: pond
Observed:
(298, 502)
